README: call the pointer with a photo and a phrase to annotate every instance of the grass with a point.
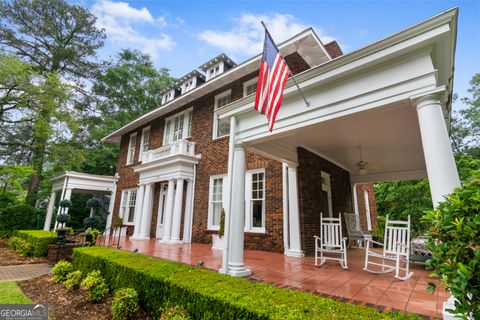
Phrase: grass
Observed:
(10, 293)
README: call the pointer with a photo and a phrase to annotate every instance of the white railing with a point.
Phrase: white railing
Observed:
(182, 147)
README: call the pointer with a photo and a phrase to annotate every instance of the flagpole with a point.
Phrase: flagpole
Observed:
(291, 73)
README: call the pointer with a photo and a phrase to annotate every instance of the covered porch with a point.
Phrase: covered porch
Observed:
(352, 285)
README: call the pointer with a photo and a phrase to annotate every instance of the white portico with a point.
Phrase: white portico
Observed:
(71, 181)
(392, 99)
(173, 168)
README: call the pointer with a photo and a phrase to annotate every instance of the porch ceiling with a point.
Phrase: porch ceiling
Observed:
(389, 135)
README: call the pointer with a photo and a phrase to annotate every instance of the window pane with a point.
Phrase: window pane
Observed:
(189, 128)
(146, 138)
(217, 211)
(223, 127)
(131, 214)
(167, 132)
(257, 213)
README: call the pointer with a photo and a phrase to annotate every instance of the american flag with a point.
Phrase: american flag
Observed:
(272, 78)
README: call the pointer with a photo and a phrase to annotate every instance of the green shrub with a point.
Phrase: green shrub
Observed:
(61, 270)
(39, 239)
(17, 217)
(209, 295)
(455, 239)
(95, 285)
(63, 218)
(95, 222)
(175, 313)
(13, 243)
(73, 280)
(65, 203)
(24, 248)
(125, 304)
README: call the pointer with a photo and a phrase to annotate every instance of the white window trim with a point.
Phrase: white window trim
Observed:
(140, 154)
(210, 199)
(121, 211)
(186, 130)
(367, 210)
(215, 115)
(248, 196)
(131, 156)
(327, 187)
(247, 83)
(221, 68)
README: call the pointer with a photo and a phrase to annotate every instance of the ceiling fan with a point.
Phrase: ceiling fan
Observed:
(363, 165)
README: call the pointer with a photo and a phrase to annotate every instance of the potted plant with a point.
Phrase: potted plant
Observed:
(94, 204)
(218, 240)
(65, 203)
(91, 235)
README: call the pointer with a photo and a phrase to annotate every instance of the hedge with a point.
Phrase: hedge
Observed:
(210, 295)
(39, 239)
(17, 217)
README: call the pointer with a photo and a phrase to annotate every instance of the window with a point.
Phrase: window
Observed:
(178, 127)
(221, 127)
(215, 71)
(215, 205)
(250, 87)
(129, 199)
(131, 148)
(144, 142)
(168, 96)
(255, 201)
(188, 85)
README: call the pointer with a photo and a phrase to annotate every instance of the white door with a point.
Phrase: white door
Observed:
(162, 204)
(326, 195)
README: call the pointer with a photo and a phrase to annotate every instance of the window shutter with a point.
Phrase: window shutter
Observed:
(167, 132)
(189, 127)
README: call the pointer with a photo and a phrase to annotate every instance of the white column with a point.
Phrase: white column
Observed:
(441, 168)
(51, 205)
(146, 212)
(187, 222)
(111, 205)
(167, 225)
(286, 237)
(138, 212)
(236, 267)
(295, 249)
(177, 212)
(68, 196)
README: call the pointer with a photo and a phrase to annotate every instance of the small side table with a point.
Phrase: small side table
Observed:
(418, 249)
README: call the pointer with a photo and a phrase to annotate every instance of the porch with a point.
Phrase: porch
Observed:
(353, 285)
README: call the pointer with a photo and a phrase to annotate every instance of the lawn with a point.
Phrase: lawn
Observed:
(10, 293)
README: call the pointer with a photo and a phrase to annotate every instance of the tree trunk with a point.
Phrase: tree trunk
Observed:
(38, 157)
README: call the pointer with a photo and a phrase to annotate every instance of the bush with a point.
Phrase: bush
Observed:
(73, 280)
(455, 238)
(209, 295)
(61, 270)
(21, 246)
(95, 285)
(94, 203)
(95, 222)
(175, 313)
(65, 203)
(17, 217)
(125, 304)
(39, 239)
(63, 218)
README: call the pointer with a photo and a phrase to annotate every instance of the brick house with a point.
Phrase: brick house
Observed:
(206, 148)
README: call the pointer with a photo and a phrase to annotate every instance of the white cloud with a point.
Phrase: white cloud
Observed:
(120, 21)
(246, 37)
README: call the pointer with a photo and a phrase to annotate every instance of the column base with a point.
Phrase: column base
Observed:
(294, 253)
(164, 240)
(175, 241)
(239, 272)
(139, 238)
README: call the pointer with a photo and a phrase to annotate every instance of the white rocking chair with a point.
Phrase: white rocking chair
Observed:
(331, 242)
(396, 248)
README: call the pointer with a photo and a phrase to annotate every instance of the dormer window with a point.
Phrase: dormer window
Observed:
(215, 70)
(188, 85)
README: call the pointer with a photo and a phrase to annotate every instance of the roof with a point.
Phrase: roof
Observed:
(221, 57)
(190, 75)
(306, 43)
(168, 88)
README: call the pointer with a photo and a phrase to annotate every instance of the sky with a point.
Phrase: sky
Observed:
(182, 35)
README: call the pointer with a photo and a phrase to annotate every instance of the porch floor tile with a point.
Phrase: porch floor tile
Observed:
(354, 284)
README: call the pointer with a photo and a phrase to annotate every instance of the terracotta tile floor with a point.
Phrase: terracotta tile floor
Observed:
(353, 284)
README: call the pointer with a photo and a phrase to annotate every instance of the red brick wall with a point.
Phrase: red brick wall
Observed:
(214, 157)
(309, 189)
(333, 49)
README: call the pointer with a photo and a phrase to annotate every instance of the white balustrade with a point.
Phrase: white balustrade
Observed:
(182, 147)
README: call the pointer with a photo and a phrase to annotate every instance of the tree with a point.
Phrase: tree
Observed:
(12, 181)
(57, 42)
(126, 90)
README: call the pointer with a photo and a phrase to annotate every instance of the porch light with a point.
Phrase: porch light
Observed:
(362, 171)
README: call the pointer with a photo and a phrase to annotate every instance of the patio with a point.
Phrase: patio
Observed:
(353, 285)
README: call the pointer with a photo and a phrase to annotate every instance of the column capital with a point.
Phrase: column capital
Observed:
(292, 165)
(240, 146)
(435, 96)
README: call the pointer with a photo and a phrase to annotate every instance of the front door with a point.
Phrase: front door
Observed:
(162, 203)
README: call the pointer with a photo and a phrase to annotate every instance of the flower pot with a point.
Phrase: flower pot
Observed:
(61, 233)
(88, 238)
(218, 243)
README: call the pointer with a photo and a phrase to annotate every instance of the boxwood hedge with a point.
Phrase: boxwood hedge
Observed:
(210, 295)
(39, 239)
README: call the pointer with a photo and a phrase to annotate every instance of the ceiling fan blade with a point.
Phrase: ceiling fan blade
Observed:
(375, 165)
